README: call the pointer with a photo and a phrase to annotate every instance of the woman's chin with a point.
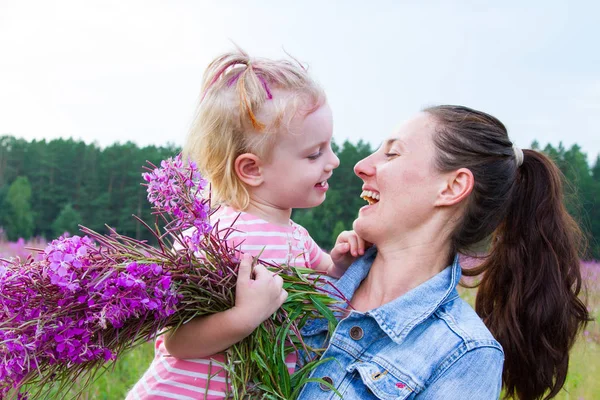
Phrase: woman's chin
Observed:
(365, 229)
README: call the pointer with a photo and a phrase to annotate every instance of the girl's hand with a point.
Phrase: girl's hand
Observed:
(258, 293)
(347, 248)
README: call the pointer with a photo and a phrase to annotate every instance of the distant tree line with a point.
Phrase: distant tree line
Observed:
(48, 188)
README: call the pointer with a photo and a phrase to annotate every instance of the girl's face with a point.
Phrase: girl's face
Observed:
(301, 162)
(401, 183)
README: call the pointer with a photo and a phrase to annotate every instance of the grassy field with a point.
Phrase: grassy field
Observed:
(582, 382)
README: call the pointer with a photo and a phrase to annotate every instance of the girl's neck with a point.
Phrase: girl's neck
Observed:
(269, 213)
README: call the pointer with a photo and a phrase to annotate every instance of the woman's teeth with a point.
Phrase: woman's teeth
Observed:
(370, 196)
(322, 184)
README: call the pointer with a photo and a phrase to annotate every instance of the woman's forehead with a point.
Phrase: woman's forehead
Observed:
(416, 129)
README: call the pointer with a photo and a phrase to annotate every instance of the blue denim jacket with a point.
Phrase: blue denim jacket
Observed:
(426, 344)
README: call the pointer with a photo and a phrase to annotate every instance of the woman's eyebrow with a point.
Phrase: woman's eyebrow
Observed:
(386, 144)
(389, 142)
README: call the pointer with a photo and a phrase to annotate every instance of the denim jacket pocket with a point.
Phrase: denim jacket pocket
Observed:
(380, 382)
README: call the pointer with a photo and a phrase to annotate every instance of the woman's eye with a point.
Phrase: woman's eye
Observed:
(315, 156)
(391, 154)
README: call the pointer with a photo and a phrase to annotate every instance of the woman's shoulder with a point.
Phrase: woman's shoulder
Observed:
(464, 323)
(446, 341)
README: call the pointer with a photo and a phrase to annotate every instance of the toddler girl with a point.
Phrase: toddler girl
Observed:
(262, 137)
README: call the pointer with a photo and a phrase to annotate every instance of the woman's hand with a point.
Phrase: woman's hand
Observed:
(258, 293)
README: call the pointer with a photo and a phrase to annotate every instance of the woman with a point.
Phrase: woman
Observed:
(448, 179)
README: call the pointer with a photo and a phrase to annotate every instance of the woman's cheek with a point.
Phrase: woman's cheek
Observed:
(413, 177)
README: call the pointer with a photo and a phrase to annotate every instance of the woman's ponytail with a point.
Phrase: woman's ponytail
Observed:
(528, 295)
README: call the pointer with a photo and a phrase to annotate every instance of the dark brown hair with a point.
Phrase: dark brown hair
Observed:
(528, 294)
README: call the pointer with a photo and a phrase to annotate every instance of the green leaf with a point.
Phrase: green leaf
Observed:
(326, 312)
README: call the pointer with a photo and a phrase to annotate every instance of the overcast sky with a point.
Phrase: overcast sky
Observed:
(108, 71)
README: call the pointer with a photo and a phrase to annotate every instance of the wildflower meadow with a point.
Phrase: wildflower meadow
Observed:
(582, 382)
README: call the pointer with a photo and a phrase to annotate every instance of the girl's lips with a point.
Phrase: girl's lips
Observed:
(322, 186)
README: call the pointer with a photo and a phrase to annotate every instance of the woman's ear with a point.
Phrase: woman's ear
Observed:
(248, 169)
(458, 187)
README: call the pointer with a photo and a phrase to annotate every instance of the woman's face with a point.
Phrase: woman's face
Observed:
(401, 183)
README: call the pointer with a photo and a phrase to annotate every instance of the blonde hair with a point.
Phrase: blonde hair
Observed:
(245, 103)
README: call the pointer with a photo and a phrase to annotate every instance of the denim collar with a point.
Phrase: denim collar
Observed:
(398, 317)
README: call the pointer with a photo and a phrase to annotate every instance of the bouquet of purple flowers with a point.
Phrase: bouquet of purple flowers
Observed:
(67, 314)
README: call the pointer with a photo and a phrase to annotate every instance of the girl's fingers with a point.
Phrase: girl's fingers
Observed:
(353, 241)
(339, 251)
(342, 248)
(283, 296)
(361, 245)
(357, 245)
(278, 280)
(245, 269)
(261, 272)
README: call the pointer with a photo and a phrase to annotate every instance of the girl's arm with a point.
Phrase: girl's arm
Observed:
(347, 248)
(256, 299)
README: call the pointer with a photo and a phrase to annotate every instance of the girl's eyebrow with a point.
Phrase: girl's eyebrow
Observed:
(313, 146)
(320, 144)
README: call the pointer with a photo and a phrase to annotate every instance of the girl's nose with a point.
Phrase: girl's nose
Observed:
(333, 163)
(336, 161)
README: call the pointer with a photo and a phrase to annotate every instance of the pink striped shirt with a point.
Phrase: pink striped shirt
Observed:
(172, 378)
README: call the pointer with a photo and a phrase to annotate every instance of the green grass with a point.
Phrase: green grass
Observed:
(117, 380)
(584, 370)
(114, 384)
(582, 382)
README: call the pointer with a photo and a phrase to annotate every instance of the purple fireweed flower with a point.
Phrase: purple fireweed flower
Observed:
(51, 292)
(65, 257)
(176, 189)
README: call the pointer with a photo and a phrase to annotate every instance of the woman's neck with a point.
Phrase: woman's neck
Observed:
(398, 269)
(269, 212)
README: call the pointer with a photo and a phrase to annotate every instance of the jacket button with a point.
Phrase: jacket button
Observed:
(324, 387)
(356, 333)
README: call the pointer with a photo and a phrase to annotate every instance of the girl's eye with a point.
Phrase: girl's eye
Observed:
(391, 154)
(315, 156)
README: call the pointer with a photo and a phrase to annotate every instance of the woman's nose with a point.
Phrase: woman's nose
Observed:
(364, 168)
